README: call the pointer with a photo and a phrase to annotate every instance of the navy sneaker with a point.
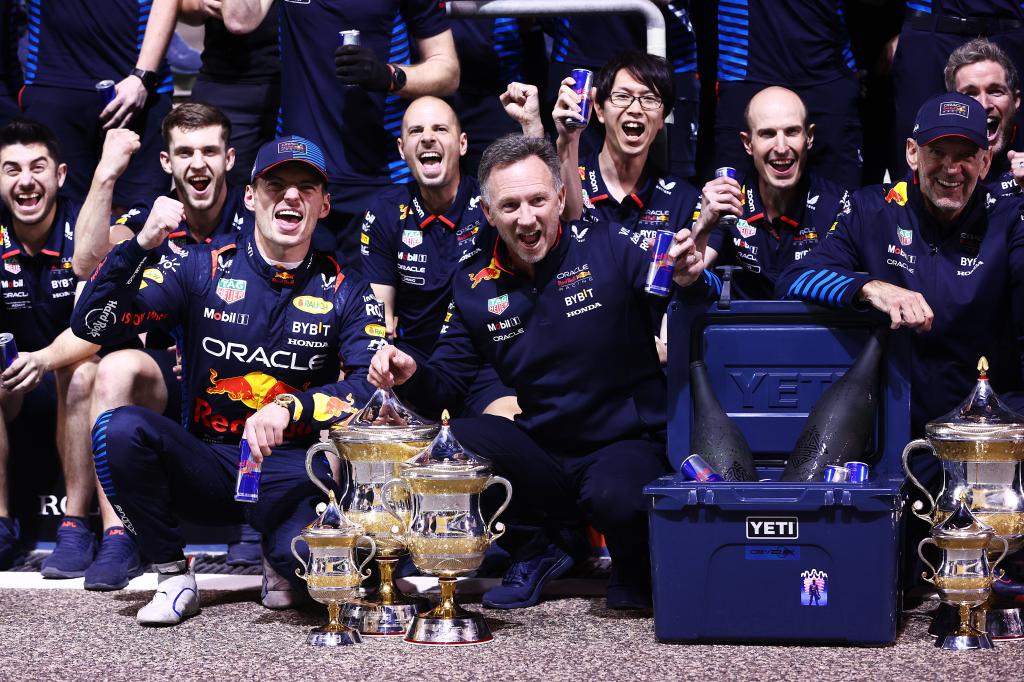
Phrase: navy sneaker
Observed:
(524, 580)
(75, 550)
(9, 549)
(247, 551)
(116, 563)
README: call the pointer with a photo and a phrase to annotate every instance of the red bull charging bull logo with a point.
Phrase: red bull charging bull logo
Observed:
(489, 272)
(254, 390)
(331, 407)
(898, 193)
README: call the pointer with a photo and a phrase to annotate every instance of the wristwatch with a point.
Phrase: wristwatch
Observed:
(398, 78)
(290, 403)
(148, 78)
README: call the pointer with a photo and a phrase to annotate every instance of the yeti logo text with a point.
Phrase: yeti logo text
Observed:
(772, 527)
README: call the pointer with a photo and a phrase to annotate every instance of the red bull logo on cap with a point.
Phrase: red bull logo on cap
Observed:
(291, 147)
(254, 390)
(489, 272)
(954, 109)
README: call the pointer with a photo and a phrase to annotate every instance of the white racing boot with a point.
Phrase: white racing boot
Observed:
(176, 598)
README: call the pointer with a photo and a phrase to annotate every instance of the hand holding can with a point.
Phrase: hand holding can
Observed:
(584, 80)
(247, 486)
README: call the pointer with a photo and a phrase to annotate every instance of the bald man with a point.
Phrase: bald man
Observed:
(782, 210)
(415, 236)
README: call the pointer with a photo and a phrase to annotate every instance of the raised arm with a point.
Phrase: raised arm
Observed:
(567, 107)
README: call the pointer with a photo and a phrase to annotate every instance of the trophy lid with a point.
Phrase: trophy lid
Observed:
(962, 523)
(332, 521)
(446, 458)
(384, 419)
(983, 416)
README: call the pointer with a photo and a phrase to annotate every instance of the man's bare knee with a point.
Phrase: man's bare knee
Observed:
(129, 377)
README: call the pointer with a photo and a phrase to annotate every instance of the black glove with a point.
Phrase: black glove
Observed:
(357, 65)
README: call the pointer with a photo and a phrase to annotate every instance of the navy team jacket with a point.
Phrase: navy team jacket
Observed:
(249, 331)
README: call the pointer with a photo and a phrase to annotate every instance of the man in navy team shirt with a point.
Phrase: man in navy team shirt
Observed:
(36, 243)
(566, 323)
(350, 100)
(74, 44)
(198, 159)
(416, 236)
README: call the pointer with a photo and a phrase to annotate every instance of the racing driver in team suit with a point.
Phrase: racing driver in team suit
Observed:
(267, 324)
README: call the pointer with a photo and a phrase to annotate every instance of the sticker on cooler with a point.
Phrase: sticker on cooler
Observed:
(814, 588)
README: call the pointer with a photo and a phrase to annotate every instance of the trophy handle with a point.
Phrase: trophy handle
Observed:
(916, 508)
(924, 574)
(508, 498)
(385, 493)
(373, 553)
(324, 447)
(1006, 550)
(298, 571)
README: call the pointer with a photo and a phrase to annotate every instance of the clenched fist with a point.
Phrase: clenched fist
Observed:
(165, 217)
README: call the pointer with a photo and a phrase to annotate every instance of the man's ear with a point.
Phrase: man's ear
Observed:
(913, 155)
(165, 161)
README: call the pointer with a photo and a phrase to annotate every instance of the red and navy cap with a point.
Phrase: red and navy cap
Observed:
(952, 115)
(289, 148)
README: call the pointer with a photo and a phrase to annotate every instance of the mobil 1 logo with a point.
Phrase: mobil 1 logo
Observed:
(772, 528)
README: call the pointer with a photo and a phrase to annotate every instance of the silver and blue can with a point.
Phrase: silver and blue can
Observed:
(659, 272)
(107, 91)
(727, 172)
(584, 80)
(858, 471)
(836, 474)
(350, 37)
(695, 468)
(247, 488)
(8, 350)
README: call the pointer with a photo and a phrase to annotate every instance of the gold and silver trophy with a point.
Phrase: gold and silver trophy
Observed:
(374, 443)
(445, 531)
(332, 573)
(981, 447)
(964, 576)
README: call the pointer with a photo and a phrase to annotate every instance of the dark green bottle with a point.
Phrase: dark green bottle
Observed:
(714, 437)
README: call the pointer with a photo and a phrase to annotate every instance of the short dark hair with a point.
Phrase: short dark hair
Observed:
(193, 116)
(26, 131)
(979, 50)
(513, 148)
(649, 69)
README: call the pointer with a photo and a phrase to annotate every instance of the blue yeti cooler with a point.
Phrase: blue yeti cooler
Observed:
(778, 561)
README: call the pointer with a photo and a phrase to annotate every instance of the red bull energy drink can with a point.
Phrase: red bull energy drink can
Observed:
(858, 471)
(584, 80)
(836, 474)
(659, 272)
(247, 487)
(107, 91)
(727, 172)
(694, 468)
(348, 38)
(8, 350)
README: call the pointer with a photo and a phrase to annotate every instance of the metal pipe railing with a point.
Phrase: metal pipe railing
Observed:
(537, 8)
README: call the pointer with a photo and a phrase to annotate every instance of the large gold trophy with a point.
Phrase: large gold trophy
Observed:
(445, 531)
(981, 447)
(373, 444)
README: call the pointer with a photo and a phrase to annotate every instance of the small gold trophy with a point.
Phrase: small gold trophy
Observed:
(445, 531)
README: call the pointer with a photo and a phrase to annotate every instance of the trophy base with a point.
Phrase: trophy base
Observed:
(1005, 623)
(333, 635)
(964, 642)
(466, 628)
(376, 619)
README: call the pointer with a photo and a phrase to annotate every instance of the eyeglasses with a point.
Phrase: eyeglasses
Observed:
(624, 100)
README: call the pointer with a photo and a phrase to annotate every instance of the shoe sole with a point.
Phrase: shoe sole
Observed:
(168, 625)
(57, 574)
(557, 570)
(108, 587)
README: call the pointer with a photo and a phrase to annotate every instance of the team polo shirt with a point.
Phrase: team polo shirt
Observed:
(38, 291)
(355, 128)
(764, 247)
(417, 253)
(665, 203)
(796, 43)
(971, 273)
(77, 43)
(574, 341)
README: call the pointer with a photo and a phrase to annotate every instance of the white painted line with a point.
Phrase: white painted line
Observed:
(145, 582)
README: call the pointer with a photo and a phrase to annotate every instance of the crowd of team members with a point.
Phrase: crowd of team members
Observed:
(269, 307)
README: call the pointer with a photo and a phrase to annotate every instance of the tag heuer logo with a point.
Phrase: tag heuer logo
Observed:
(905, 236)
(773, 528)
(231, 290)
(745, 229)
(498, 304)
(412, 238)
(12, 267)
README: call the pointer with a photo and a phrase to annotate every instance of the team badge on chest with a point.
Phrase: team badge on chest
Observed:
(498, 304)
(412, 238)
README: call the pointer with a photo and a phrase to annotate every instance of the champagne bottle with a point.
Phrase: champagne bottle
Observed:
(714, 436)
(840, 426)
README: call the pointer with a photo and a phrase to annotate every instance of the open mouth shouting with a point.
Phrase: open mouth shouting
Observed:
(288, 220)
(430, 162)
(992, 124)
(200, 183)
(633, 130)
(28, 201)
(783, 168)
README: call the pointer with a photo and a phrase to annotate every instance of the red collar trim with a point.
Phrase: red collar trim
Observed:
(599, 197)
(49, 252)
(429, 219)
(789, 221)
(637, 199)
(756, 216)
(14, 252)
